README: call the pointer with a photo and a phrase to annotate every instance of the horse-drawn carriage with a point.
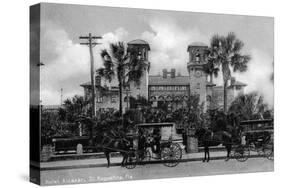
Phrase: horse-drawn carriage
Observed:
(154, 141)
(258, 135)
(251, 135)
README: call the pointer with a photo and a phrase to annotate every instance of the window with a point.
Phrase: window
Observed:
(152, 88)
(100, 99)
(113, 99)
(160, 88)
(197, 57)
(127, 87)
(183, 88)
(126, 99)
(143, 53)
(176, 87)
(208, 98)
(198, 86)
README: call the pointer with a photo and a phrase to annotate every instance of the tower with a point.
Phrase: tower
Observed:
(142, 48)
(198, 78)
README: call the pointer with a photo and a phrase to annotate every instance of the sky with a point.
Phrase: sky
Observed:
(167, 32)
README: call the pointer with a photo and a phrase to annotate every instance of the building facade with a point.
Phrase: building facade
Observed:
(168, 90)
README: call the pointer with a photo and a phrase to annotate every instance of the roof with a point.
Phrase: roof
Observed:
(156, 125)
(256, 121)
(177, 81)
(198, 44)
(238, 83)
(86, 84)
(159, 80)
(51, 107)
(139, 41)
(110, 88)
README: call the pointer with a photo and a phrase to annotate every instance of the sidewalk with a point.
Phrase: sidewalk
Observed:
(115, 161)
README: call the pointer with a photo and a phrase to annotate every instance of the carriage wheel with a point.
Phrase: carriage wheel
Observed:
(242, 153)
(131, 161)
(171, 155)
(260, 150)
(271, 156)
(147, 156)
(268, 151)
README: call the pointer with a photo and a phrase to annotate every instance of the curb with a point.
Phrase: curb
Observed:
(63, 157)
(119, 164)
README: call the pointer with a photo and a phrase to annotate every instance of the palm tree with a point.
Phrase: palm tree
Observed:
(74, 107)
(211, 69)
(249, 106)
(126, 65)
(225, 51)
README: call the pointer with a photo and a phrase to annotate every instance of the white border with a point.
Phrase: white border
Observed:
(15, 93)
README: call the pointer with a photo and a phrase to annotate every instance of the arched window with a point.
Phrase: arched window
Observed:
(197, 57)
(161, 98)
(152, 98)
(126, 99)
(169, 98)
(144, 53)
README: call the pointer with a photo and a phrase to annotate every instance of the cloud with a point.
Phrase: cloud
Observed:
(258, 76)
(168, 43)
(67, 62)
(119, 34)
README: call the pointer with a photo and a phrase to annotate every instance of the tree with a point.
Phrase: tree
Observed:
(126, 65)
(72, 108)
(226, 52)
(191, 115)
(249, 106)
(211, 68)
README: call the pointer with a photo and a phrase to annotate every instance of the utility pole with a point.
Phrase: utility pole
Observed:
(91, 43)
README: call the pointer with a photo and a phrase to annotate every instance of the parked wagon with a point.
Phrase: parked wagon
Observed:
(154, 141)
(259, 136)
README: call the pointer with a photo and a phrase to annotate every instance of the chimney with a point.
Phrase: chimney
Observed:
(173, 73)
(165, 72)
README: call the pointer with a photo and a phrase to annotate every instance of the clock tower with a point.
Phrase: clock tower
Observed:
(197, 76)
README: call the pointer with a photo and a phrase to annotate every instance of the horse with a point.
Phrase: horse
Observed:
(211, 138)
(111, 144)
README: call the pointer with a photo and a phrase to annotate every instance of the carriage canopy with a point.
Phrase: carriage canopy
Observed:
(154, 125)
(257, 125)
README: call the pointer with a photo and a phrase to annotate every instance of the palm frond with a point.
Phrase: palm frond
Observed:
(215, 41)
(240, 62)
(106, 73)
(229, 42)
(104, 54)
(237, 46)
(118, 51)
